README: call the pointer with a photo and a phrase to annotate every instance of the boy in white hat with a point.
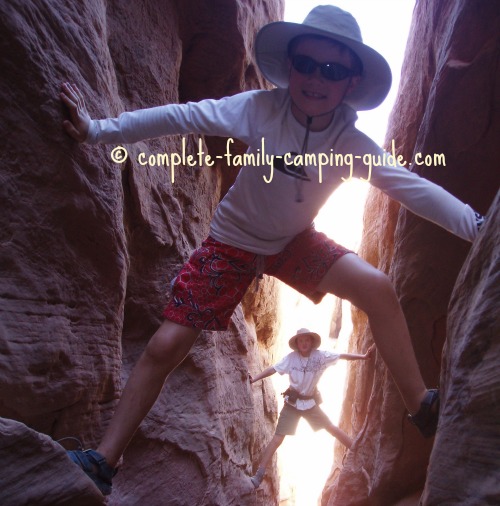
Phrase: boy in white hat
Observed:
(304, 365)
(264, 224)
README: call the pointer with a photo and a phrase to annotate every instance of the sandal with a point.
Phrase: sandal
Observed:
(426, 418)
(95, 467)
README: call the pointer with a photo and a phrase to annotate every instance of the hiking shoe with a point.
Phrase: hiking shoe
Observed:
(257, 478)
(95, 467)
(426, 418)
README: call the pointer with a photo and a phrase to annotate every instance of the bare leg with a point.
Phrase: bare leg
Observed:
(165, 351)
(266, 458)
(371, 291)
(270, 450)
(340, 435)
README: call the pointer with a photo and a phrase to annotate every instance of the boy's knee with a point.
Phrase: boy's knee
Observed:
(278, 439)
(381, 283)
(378, 290)
(171, 341)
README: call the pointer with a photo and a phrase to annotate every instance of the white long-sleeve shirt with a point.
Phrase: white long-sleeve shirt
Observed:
(261, 213)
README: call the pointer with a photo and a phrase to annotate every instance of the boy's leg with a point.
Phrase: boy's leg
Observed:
(287, 425)
(338, 433)
(196, 298)
(270, 450)
(266, 458)
(164, 352)
(318, 419)
(204, 294)
(370, 290)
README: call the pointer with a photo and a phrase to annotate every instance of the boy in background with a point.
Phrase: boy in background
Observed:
(305, 366)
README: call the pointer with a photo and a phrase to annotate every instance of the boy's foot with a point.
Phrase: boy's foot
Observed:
(95, 467)
(257, 478)
(426, 418)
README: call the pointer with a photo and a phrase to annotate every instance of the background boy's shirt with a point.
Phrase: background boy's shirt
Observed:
(260, 212)
(305, 372)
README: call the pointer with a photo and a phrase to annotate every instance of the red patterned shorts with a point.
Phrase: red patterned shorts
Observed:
(214, 280)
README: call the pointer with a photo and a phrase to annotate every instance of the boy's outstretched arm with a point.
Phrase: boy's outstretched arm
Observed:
(78, 126)
(356, 356)
(264, 374)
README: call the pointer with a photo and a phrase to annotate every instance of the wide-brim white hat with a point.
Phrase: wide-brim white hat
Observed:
(271, 46)
(316, 339)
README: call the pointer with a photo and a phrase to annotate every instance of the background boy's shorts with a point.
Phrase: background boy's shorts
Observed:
(290, 416)
(214, 280)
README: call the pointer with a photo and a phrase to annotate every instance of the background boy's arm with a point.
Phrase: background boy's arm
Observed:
(356, 356)
(264, 374)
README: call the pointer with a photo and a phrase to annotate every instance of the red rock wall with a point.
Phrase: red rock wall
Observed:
(468, 432)
(88, 248)
(448, 103)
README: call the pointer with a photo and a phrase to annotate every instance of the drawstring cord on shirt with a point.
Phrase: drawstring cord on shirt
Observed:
(259, 270)
(299, 196)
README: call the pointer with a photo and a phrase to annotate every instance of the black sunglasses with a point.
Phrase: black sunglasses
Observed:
(332, 71)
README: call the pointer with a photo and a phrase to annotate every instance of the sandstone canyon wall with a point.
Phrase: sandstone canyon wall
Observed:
(448, 103)
(88, 248)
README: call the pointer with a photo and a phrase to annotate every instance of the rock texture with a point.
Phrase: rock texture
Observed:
(88, 247)
(448, 103)
(471, 383)
(40, 474)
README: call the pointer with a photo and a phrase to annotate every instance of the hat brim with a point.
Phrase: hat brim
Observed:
(315, 337)
(271, 47)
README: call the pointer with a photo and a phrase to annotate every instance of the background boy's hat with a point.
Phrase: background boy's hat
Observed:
(329, 21)
(316, 339)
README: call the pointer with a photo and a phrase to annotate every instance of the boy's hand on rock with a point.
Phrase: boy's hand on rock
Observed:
(78, 126)
(370, 352)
